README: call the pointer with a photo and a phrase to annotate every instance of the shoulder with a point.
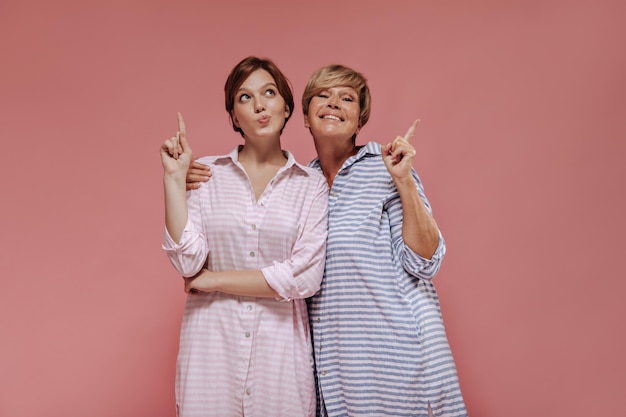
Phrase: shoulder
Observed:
(369, 157)
(304, 177)
(213, 160)
(309, 178)
(304, 170)
(371, 148)
(311, 172)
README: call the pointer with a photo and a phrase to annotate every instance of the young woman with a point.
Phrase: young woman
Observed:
(251, 243)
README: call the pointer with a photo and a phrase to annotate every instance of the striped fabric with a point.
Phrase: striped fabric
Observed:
(379, 339)
(242, 355)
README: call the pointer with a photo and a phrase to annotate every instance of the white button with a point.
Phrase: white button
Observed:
(249, 307)
(252, 253)
(323, 373)
(247, 334)
(254, 227)
(248, 391)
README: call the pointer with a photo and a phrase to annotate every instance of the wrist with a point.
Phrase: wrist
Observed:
(403, 183)
(207, 280)
(174, 178)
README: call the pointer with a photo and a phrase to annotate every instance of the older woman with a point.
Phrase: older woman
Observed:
(379, 339)
(380, 343)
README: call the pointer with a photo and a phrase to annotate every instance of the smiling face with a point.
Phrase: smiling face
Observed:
(334, 112)
(259, 110)
(336, 102)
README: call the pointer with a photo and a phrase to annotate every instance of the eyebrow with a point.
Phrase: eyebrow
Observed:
(341, 89)
(262, 87)
(347, 90)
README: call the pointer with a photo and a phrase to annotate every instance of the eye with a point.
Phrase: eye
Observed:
(323, 94)
(270, 92)
(348, 98)
(243, 98)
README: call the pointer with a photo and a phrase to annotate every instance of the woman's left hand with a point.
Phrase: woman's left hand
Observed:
(198, 283)
(398, 155)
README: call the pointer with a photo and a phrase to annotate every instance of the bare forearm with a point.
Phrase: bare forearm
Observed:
(175, 206)
(249, 283)
(419, 229)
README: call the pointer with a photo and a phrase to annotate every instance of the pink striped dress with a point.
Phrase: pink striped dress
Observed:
(246, 356)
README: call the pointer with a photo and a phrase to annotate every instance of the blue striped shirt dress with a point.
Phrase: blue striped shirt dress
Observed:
(380, 344)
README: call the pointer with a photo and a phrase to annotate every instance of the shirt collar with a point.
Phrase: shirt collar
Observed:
(370, 149)
(291, 160)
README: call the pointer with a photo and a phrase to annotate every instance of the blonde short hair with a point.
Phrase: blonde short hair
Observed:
(339, 76)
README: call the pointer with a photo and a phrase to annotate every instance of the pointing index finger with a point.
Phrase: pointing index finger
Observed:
(409, 133)
(181, 125)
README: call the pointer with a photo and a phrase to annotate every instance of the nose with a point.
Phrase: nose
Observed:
(259, 106)
(333, 101)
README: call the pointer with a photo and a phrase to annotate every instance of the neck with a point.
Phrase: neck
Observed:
(332, 155)
(267, 152)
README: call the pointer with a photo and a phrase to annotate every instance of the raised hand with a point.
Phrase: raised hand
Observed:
(176, 157)
(398, 155)
(175, 152)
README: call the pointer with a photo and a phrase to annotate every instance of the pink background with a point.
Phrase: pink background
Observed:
(521, 149)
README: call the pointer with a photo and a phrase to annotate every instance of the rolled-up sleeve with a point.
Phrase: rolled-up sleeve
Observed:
(300, 275)
(421, 267)
(413, 263)
(189, 255)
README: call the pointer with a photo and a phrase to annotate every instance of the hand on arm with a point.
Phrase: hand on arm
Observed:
(419, 229)
(176, 157)
(297, 277)
(196, 174)
(249, 283)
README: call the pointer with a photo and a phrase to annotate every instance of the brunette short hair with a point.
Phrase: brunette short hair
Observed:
(339, 76)
(242, 71)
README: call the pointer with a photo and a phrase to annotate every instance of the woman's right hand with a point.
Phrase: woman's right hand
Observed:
(196, 174)
(175, 152)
